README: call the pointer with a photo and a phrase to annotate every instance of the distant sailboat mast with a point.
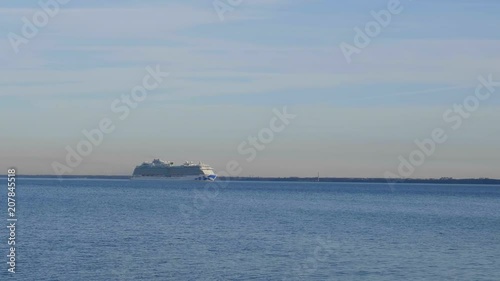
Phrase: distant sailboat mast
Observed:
(318, 177)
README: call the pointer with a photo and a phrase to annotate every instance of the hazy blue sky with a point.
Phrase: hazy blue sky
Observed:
(227, 76)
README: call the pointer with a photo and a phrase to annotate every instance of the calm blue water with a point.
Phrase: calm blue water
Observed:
(129, 230)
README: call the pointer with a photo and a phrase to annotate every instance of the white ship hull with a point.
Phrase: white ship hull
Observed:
(186, 178)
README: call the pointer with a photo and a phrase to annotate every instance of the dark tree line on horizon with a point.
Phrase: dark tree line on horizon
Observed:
(444, 180)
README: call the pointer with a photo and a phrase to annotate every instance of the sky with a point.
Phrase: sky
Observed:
(231, 69)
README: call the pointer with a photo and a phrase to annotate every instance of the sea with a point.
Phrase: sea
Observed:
(90, 229)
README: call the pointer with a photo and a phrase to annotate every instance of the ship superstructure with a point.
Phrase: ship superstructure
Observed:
(158, 169)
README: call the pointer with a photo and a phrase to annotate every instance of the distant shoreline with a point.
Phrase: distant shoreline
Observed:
(485, 181)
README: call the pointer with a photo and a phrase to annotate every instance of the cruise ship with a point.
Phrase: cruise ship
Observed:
(159, 169)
